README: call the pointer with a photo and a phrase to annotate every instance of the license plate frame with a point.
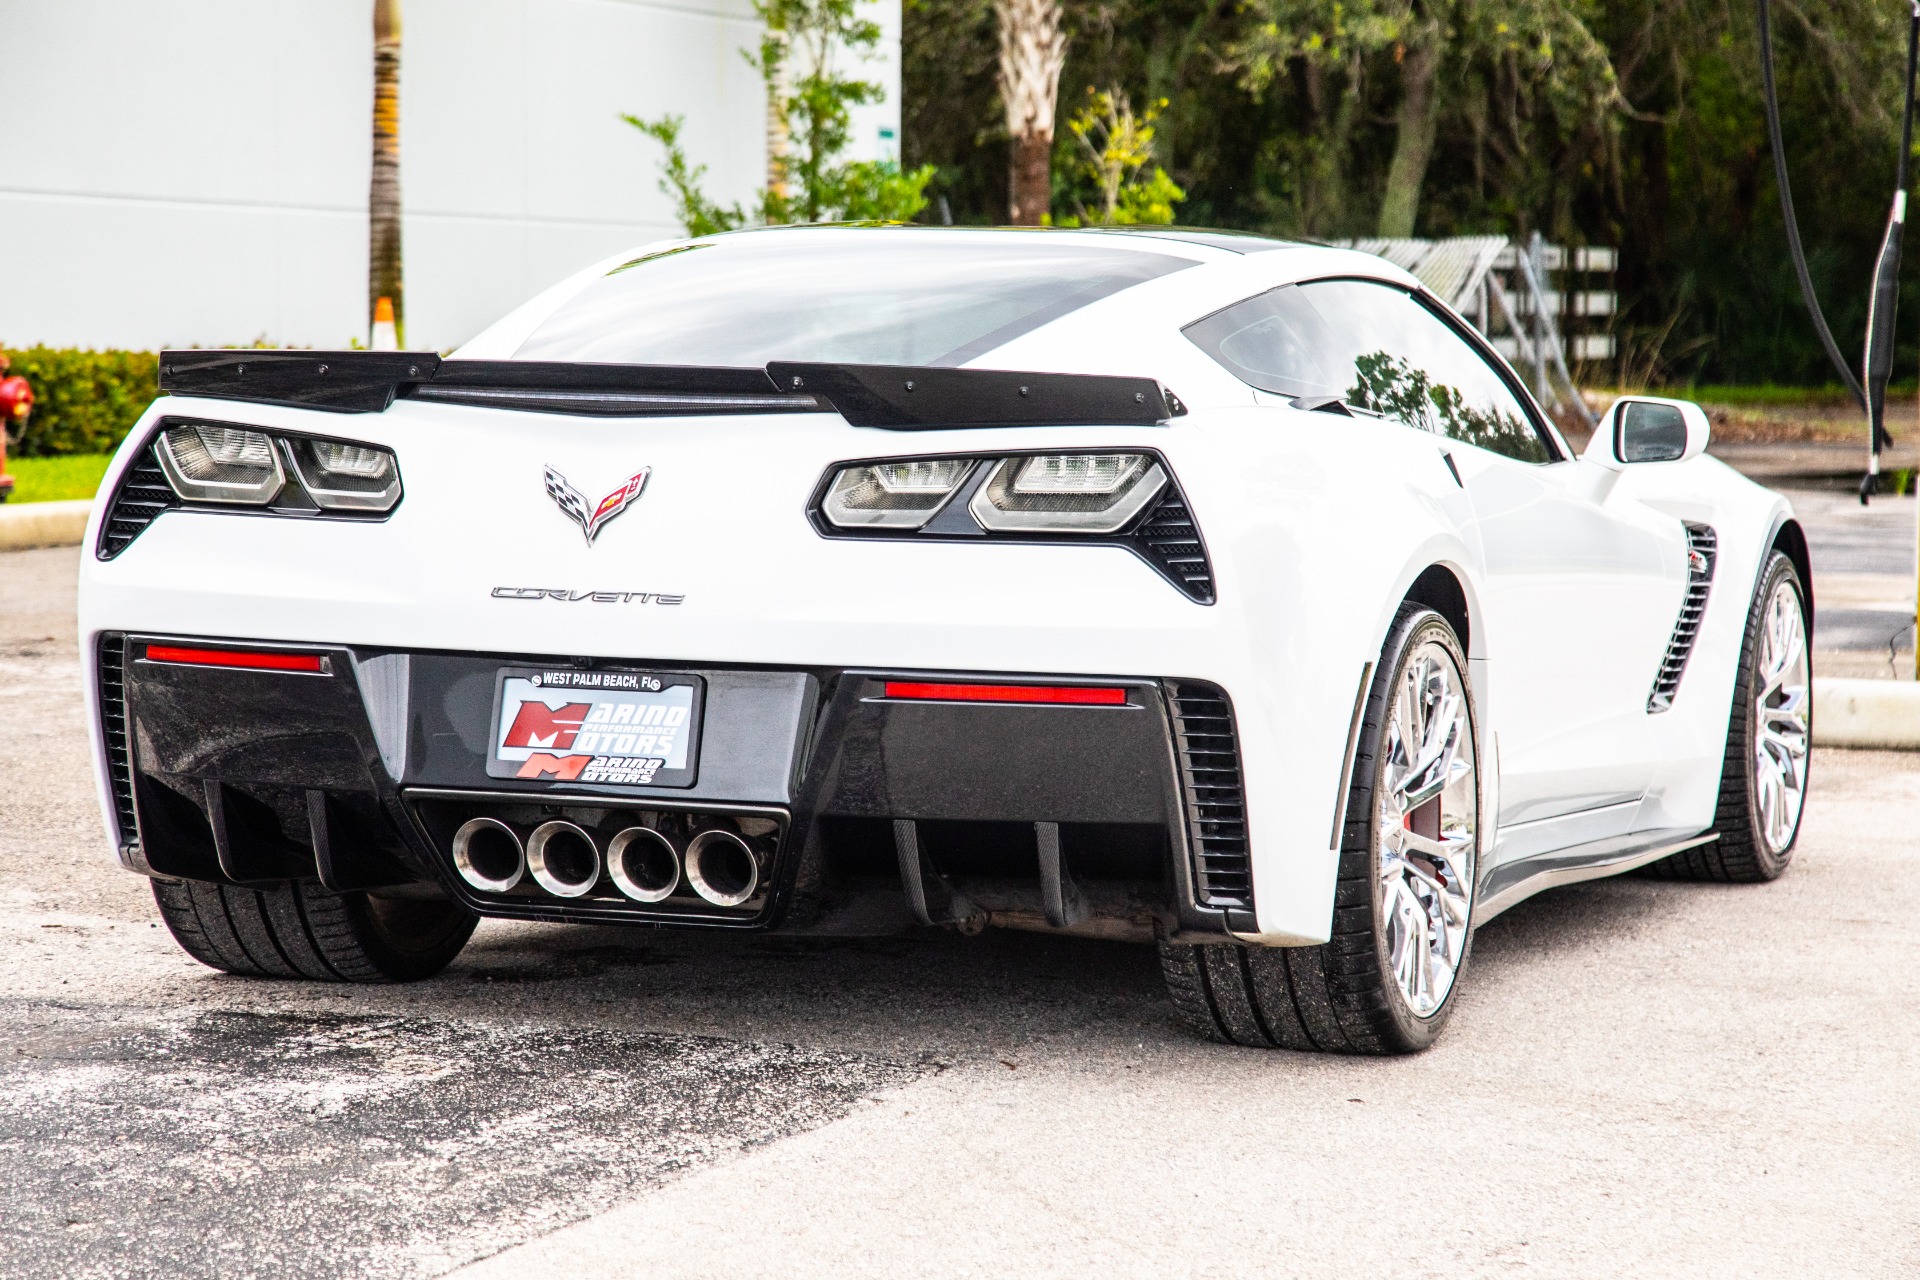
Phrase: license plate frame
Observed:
(562, 747)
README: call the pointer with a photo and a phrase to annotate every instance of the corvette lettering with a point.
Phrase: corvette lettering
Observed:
(597, 597)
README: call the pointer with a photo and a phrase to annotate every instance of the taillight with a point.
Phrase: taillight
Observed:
(214, 462)
(205, 462)
(1071, 695)
(1068, 492)
(346, 477)
(893, 495)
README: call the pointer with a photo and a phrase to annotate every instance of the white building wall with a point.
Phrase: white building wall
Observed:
(194, 172)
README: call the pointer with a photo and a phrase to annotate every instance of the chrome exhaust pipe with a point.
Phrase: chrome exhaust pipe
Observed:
(722, 868)
(488, 855)
(563, 858)
(643, 864)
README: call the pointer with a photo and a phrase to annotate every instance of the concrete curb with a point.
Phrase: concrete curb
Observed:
(43, 524)
(1867, 713)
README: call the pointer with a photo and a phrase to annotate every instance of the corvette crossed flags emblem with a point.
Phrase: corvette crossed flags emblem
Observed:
(590, 519)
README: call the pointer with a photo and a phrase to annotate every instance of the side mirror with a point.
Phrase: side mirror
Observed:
(1648, 429)
(1641, 429)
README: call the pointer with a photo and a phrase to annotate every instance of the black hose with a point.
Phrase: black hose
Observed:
(1786, 206)
(1877, 368)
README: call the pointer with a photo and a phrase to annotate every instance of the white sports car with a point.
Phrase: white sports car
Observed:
(1223, 594)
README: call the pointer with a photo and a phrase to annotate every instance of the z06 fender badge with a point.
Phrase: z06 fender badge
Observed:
(590, 520)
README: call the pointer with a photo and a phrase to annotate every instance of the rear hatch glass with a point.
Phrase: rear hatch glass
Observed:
(835, 296)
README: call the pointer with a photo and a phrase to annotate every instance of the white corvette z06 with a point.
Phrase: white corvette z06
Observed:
(1223, 594)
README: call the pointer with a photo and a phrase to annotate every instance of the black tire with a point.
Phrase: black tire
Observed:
(1742, 854)
(303, 930)
(1340, 996)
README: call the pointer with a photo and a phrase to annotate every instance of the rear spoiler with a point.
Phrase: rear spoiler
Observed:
(894, 397)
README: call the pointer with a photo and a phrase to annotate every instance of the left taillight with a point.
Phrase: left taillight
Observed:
(210, 462)
(204, 462)
(346, 477)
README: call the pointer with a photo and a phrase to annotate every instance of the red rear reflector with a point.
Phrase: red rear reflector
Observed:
(253, 659)
(1071, 695)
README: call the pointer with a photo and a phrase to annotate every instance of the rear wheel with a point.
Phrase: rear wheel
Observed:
(1763, 782)
(1403, 906)
(303, 930)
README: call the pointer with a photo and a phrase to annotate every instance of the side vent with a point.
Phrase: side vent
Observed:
(1701, 548)
(1170, 541)
(1215, 800)
(143, 493)
(113, 731)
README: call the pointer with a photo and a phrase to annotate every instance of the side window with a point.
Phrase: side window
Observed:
(1379, 351)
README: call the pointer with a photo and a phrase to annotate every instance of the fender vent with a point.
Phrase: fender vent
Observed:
(113, 732)
(1701, 548)
(143, 493)
(1215, 800)
(1170, 541)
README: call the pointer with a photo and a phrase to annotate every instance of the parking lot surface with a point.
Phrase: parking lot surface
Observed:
(1641, 1078)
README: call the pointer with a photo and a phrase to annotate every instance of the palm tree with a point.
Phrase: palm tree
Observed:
(1032, 51)
(383, 196)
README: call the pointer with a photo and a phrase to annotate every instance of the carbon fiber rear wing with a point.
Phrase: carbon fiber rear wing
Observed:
(892, 397)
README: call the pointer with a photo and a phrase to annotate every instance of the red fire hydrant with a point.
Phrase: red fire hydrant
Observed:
(16, 406)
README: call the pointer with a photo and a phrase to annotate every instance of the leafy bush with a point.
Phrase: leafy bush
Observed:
(84, 401)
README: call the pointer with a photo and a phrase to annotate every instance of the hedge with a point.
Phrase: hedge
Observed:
(84, 401)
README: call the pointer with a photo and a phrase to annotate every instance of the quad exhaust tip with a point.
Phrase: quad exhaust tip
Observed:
(488, 855)
(643, 864)
(722, 868)
(563, 858)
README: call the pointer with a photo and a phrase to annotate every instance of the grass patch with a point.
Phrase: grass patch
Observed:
(1769, 394)
(76, 475)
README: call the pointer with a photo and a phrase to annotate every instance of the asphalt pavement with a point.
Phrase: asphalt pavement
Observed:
(1863, 568)
(1641, 1079)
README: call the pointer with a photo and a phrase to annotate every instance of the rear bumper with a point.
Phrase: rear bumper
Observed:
(870, 812)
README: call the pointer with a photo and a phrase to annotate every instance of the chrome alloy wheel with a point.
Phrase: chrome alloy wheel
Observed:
(1780, 729)
(1428, 827)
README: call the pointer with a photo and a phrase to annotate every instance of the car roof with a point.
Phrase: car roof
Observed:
(1227, 266)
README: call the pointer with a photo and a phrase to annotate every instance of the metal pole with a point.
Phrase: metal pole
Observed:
(1536, 275)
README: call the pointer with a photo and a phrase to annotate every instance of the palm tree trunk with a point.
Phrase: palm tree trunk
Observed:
(776, 52)
(1413, 146)
(1032, 50)
(383, 196)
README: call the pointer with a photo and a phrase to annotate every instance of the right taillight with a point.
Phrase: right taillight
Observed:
(893, 495)
(1068, 492)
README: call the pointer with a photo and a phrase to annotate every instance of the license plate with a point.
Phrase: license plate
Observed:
(596, 728)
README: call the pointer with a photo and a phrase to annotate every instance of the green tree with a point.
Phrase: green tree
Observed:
(808, 179)
(1114, 146)
(680, 178)
(1436, 54)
